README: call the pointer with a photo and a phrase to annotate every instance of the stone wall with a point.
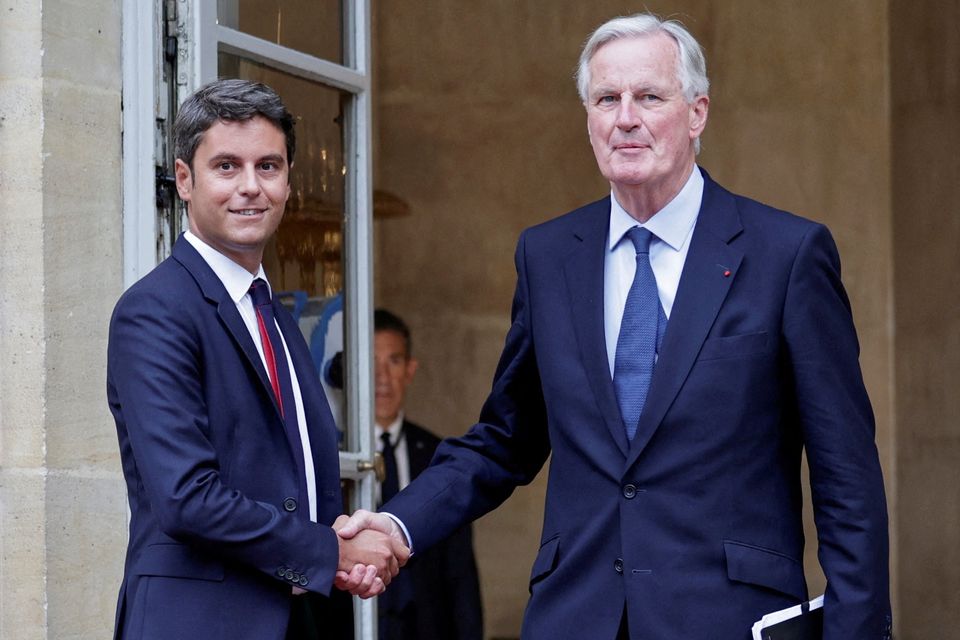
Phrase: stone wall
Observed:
(63, 513)
(925, 67)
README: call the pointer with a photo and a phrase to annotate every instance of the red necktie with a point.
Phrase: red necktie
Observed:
(280, 380)
(268, 352)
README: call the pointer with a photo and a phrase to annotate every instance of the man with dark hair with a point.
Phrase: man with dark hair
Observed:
(674, 350)
(228, 447)
(437, 597)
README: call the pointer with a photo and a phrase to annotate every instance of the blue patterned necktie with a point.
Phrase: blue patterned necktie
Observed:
(641, 330)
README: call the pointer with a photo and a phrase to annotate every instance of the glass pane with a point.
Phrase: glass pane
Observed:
(304, 260)
(314, 27)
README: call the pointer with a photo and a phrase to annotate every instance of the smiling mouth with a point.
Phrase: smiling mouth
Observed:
(247, 212)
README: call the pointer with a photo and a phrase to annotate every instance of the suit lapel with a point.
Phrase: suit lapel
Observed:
(708, 273)
(320, 425)
(214, 292)
(583, 270)
(307, 374)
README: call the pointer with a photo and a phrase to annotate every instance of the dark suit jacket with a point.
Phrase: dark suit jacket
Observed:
(446, 588)
(217, 530)
(695, 526)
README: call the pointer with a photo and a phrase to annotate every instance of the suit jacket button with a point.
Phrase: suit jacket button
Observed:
(289, 504)
(618, 565)
(630, 491)
(303, 581)
(281, 571)
(288, 575)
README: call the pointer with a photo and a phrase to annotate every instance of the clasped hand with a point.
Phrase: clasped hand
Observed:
(372, 550)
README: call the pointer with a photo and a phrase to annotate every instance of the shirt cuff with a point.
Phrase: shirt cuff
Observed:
(403, 528)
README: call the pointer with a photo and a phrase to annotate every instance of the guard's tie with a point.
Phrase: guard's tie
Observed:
(391, 481)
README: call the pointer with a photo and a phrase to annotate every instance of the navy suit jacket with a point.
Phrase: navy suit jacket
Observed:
(218, 530)
(695, 526)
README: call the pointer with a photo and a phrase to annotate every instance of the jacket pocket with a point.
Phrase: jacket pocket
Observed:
(765, 567)
(734, 346)
(546, 560)
(178, 561)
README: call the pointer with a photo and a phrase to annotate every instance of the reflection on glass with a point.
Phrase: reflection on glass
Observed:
(304, 260)
(310, 26)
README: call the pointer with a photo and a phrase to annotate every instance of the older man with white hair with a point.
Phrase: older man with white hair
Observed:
(676, 347)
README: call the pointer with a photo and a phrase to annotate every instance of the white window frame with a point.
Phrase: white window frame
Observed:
(141, 41)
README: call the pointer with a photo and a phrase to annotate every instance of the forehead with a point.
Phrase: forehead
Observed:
(255, 137)
(650, 58)
(388, 340)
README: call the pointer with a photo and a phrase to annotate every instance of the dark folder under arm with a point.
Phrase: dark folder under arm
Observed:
(800, 622)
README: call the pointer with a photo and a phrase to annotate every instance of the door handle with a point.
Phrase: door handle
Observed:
(376, 465)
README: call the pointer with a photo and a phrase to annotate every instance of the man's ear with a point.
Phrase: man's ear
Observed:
(698, 115)
(184, 177)
(412, 364)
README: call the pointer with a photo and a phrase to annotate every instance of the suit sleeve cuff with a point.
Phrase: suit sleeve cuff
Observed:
(403, 528)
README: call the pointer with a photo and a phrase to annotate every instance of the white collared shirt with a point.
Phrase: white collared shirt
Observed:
(237, 280)
(672, 228)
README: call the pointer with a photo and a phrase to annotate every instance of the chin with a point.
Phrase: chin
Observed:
(632, 173)
(631, 179)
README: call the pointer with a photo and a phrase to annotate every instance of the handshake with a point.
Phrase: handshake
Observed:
(372, 550)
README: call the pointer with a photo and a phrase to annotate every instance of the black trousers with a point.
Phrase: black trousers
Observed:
(315, 617)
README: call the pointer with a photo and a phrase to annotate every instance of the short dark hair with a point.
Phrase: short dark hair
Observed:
(230, 100)
(384, 320)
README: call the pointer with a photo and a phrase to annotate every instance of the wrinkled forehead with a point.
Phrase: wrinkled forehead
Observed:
(629, 57)
(659, 43)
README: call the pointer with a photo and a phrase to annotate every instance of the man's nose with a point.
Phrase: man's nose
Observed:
(249, 182)
(628, 113)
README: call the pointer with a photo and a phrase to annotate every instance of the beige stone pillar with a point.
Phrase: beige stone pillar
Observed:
(62, 502)
(925, 72)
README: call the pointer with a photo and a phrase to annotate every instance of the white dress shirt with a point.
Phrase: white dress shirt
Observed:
(672, 228)
(237, 280)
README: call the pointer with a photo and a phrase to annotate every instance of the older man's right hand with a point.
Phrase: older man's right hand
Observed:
(369, 556)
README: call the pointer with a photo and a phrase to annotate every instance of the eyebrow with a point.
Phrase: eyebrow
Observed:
(641, 90)
(602, 89)
(231, 157)
(273, 157)
(221, 157)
